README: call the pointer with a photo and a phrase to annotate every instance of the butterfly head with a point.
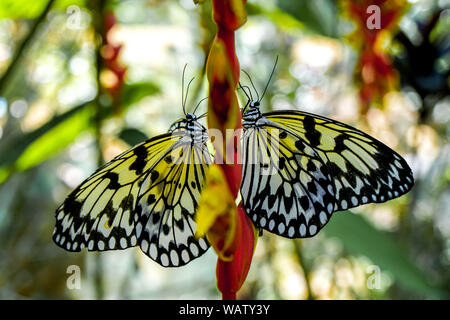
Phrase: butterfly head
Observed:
(190, 117)
(190, 126)
(251, 114)
(191, 123)
(254, 104)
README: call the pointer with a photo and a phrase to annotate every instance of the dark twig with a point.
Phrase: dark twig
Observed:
(98, 8)
(298, 253)
(23, 46)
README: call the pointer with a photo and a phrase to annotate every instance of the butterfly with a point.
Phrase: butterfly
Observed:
(299, 168)
(146, 197)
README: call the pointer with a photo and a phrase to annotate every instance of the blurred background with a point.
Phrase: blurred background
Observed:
(82, 81)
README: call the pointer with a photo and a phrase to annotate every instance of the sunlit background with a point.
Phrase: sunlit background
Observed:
(56, 127)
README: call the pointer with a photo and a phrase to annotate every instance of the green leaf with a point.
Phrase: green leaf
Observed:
(43, 142)
(25, 9)
(360, 237)
(132, 136)
(54, 140)
(133, 93)
(281, 19)
(29, 150)
(319, 16)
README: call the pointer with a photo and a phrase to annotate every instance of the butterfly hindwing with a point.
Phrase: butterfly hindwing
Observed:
(106, 211)
(286, 187)
(166, 205)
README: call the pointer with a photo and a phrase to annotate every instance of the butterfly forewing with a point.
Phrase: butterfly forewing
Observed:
(363, 169)
(98, 213)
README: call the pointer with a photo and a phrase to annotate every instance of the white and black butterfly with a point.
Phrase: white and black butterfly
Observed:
(145, 197)
(299, 168)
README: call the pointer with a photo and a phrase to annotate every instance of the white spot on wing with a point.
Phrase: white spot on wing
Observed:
(271, 224)
(185, 256)
(323, 217)
(174, 257)
(194, 249)
(164, 260)
(281, 228)
(262, 222)
(112, 242)
(153, 252)
(302, 230)
(144, 245)
(123, 242)
(291, 231)
(202, 244)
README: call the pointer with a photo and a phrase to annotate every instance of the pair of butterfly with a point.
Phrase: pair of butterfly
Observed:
(148, 195)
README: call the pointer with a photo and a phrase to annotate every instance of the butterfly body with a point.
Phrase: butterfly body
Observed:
(252, 115)
(192, 127)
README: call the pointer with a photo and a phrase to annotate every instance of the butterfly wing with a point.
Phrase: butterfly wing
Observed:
(363, 169)
(101, 214)
(324, 166)
(286, 187)
(167, 201)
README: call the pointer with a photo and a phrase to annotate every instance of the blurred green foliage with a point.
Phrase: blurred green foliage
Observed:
(361, 238)
(22, 9)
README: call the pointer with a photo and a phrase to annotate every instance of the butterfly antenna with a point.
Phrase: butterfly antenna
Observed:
(245, 92)
(249, 98)
(254, 88)
(249, 91)
(187, 93)
(182, 89)
(246, 105)
(271, 74)
(199, 104)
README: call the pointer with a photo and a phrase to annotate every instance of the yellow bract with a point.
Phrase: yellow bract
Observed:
(218, 58)
(221, 74)
(238, 8)
(216, 212)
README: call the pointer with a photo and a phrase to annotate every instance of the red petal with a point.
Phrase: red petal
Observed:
(231, 275)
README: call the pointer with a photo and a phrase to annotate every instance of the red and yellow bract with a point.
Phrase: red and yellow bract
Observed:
(227, 227)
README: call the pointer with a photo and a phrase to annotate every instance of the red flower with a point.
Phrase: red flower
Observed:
(231, 274)
(375, 21)
(114, 73)
(227, 227)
